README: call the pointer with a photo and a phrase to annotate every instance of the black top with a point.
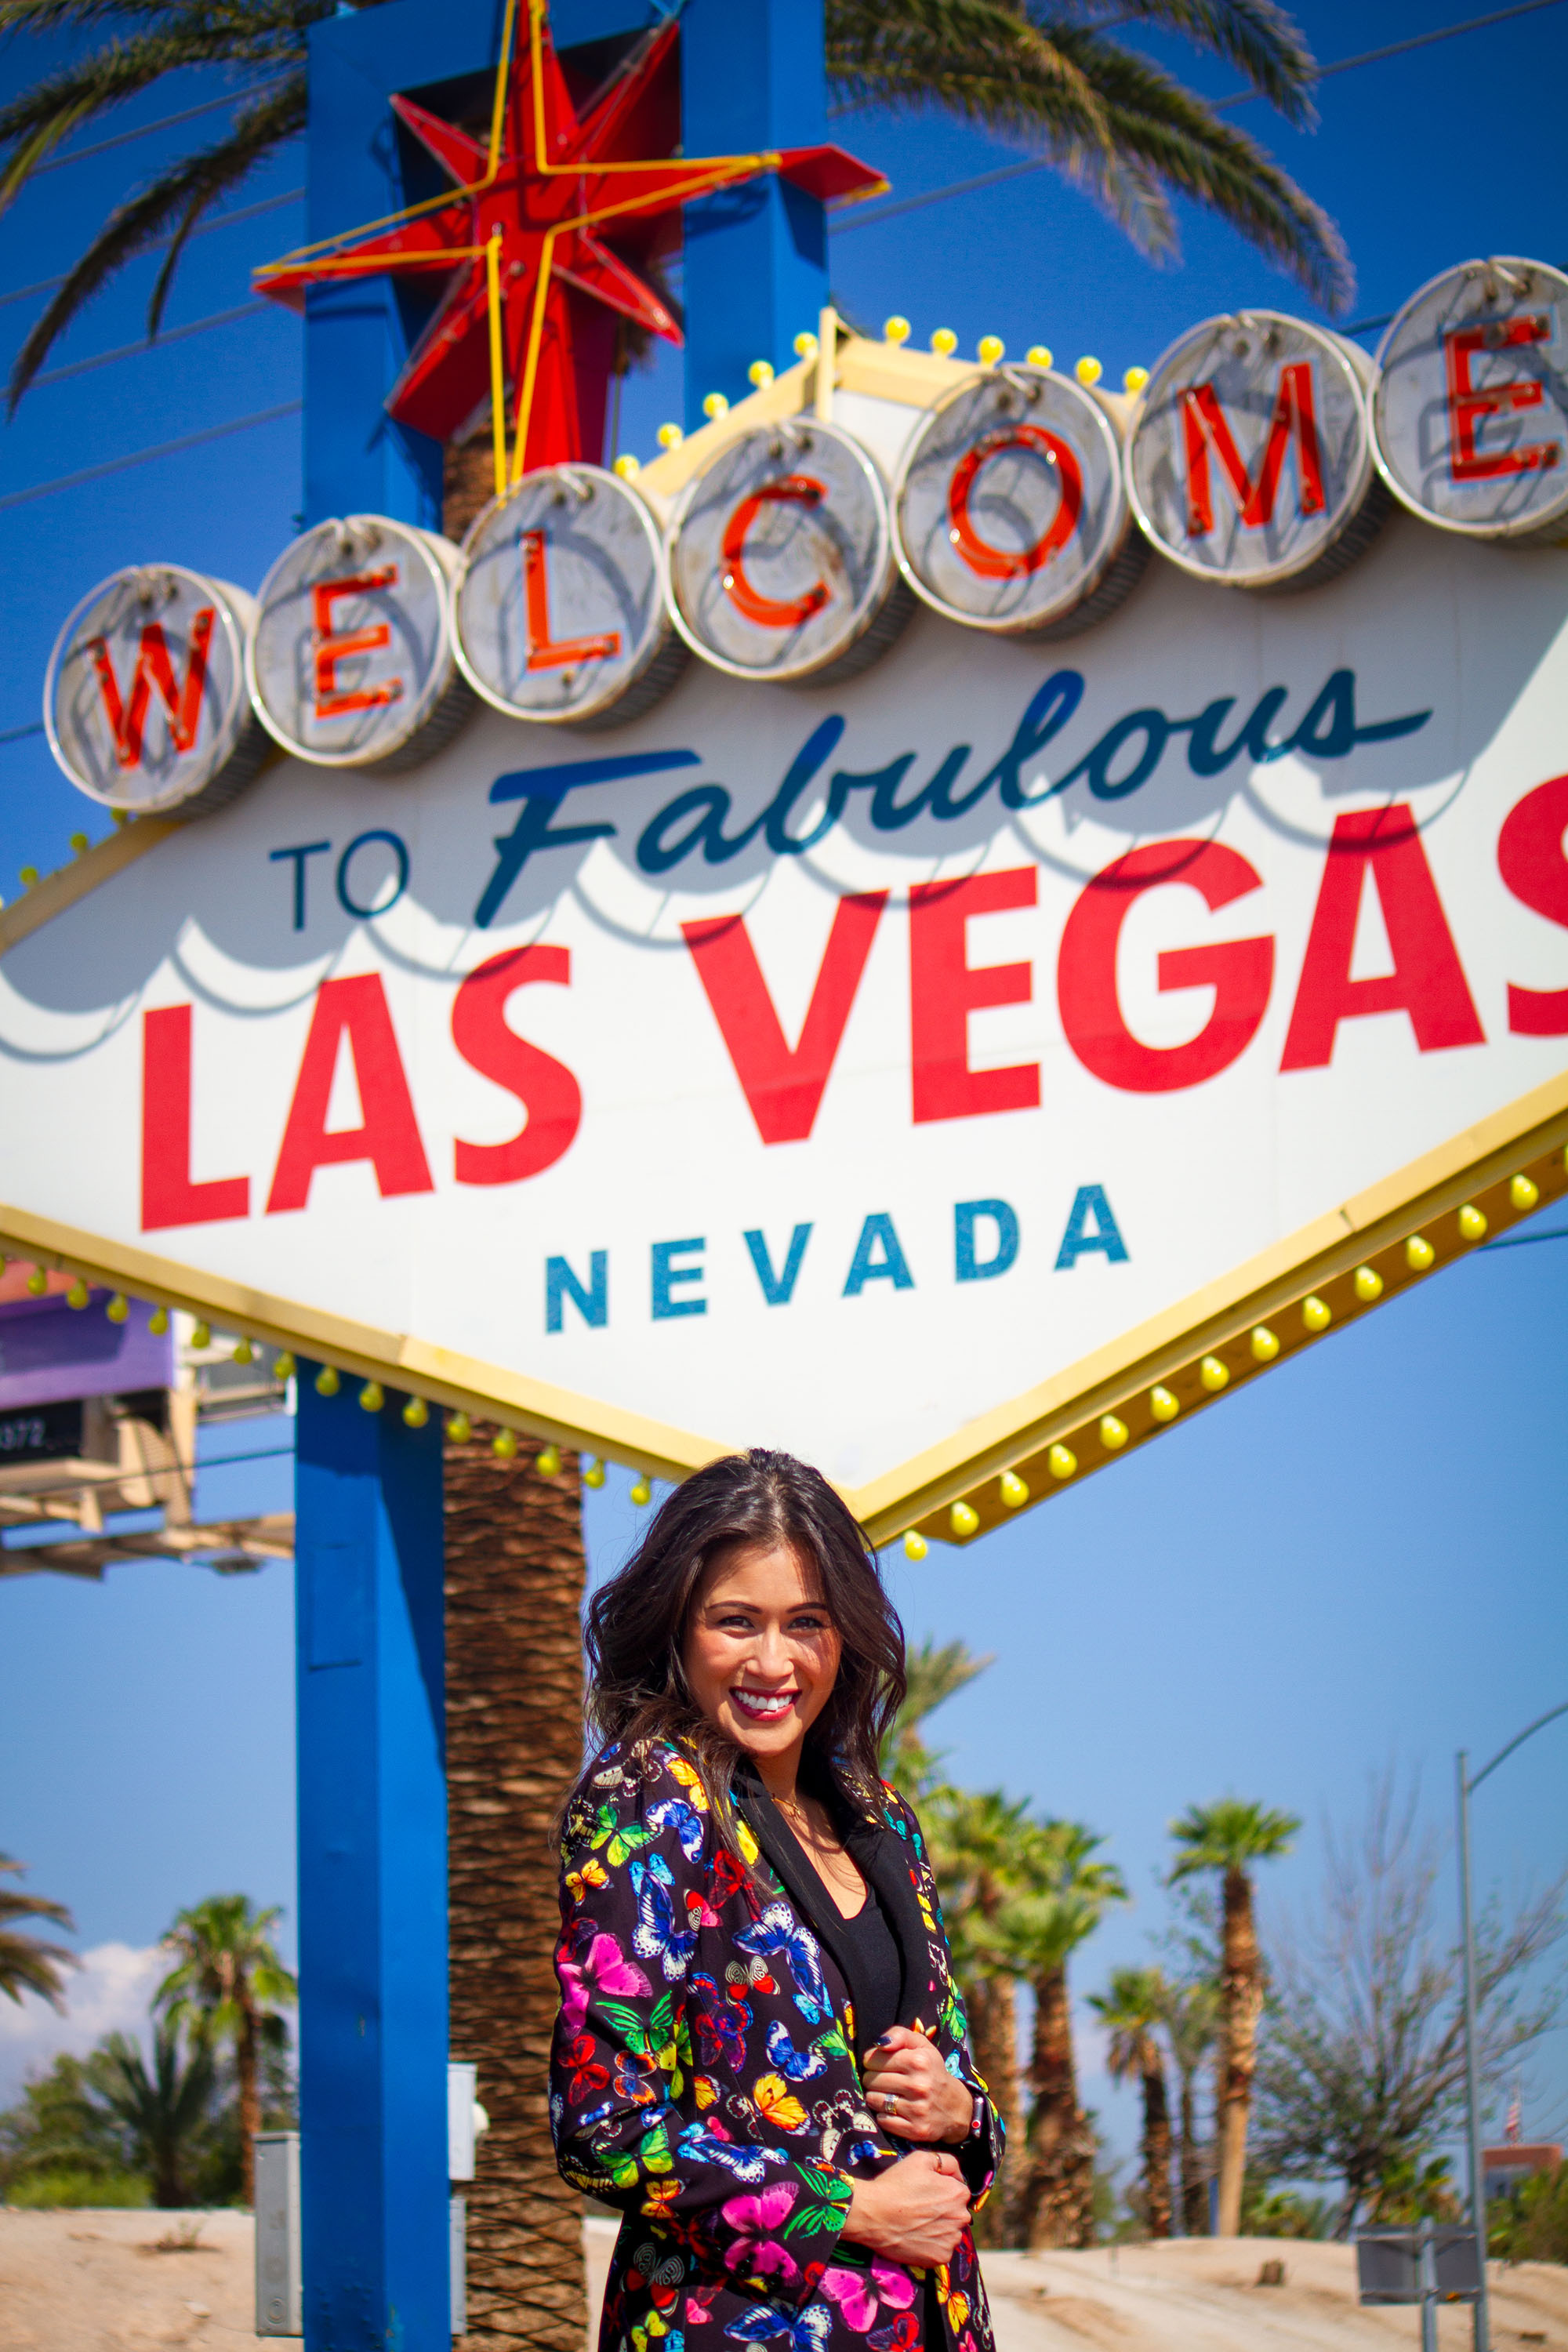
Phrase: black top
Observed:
(875, 1976)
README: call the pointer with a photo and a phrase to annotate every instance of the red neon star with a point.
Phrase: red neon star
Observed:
(445, 385)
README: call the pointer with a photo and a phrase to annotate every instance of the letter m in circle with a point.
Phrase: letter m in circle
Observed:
(182, 701)
(1205, 426)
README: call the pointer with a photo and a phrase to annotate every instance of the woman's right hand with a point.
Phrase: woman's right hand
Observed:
(913, 2213)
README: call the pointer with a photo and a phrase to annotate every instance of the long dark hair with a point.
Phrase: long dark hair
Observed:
(636, 1622)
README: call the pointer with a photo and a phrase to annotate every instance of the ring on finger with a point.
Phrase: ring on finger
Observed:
(890, 2104)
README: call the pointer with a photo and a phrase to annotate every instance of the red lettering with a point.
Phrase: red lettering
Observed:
(355, 1009)
(545, 652)
(946, 988)
(1203, 421)
(169, 1197)
(1470, 404)
(770, 612)
(1530, 860)
(182, 704)
(1427, 980)
(544, 1087)
(333, 701)
(783, 1088)
(1240, 971)
(1002, 563)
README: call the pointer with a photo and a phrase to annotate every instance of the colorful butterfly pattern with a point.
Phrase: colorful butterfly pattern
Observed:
(703, 2082)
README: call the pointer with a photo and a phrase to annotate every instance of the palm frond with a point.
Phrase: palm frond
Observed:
(177, 198)
(1254, 35)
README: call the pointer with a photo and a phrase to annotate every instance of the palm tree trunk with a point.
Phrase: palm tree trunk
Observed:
(993, 2040)
(1241, 1990)
(515, 1571)
(1055, 2203)
(1156, 2144)
(1195, 2197)
(249, 2097)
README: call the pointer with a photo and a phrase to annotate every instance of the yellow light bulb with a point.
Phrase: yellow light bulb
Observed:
(1315, 1314)
(29, 875)
(1039, 355)
(37, 1282)
(244, 1353)
(992, 349)
(1061, 1462)
(372, 1397)
(78, 1293)
(1013, 1489)
(503, 1445)
(1214, 1375)
(78, 843)
(804, 345)
(1418, 1252)
(1524, 1194)
(915, 1545)
(283, 1365)
(549, 1462)
(1472, 1223)
(1163, 1405)
(715, 406)
(201, 1335)
(1264, 1345)
(1368, 1284)
(1134, 380)
(459, 1428)
(118, 1307)
(760, 374)
(627, 467)
(642, 1492)
(158, 1321)
(327, 1381)
(944, 343)
(895, 330)
(593, 1475)
(669, 436)
(962, 1519)
(415, 1412)
(1112, 1433)
(1089, 371)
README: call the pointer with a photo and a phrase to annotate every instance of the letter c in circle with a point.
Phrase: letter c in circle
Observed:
(770, 612)
(1002, 563)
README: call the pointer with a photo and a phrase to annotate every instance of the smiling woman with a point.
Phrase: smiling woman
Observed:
(761, 2056)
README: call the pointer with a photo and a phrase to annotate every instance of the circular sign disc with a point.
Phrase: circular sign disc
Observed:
(1251, 463)
(1471, 411)
(560, 603)
(144, 701)
(1009, 509)
(349, 663)
(781, 559)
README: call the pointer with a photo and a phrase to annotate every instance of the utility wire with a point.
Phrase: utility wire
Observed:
(15, 734)
(145, 456)
(223, 220)
(867, 216)
(164, 122)
(118, 1477)
(155, 344)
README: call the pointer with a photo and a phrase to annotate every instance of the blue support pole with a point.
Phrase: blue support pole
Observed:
(751, 76)
(373, 1878)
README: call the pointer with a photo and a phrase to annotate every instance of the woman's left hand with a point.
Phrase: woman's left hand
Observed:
(909, 2090)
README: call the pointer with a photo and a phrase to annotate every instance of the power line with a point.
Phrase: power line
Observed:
(164, 122)
(15, 734)
(223, 220)
(145, 456)
(868, 216)
(155, 344)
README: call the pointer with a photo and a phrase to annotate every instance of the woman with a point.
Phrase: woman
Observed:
(761, 2055)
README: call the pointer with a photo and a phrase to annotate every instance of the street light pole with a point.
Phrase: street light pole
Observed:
(1467, 1787)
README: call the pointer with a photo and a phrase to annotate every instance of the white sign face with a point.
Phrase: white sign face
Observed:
(1251, 462)
(1009, 508)
(1470, 412)
(144, 703)
(828, 1070)
(350, 662)
(781, 556)
(560, 606)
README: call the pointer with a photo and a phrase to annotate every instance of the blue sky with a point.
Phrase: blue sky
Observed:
(1357, 1563)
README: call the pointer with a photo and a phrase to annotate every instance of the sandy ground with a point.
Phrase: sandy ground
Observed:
(103, 2282)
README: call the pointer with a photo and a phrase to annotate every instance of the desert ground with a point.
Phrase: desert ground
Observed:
(122, 2282)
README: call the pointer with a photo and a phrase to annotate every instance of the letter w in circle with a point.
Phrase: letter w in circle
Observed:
(1205, 424)
(783, 1085)
(182, 703)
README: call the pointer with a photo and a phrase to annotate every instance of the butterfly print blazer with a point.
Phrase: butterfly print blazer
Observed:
(704, 2079)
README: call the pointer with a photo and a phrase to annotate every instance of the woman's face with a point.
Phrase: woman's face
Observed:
(762, 1651)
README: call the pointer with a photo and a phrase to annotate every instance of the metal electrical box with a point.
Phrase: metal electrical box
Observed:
(279, 2287)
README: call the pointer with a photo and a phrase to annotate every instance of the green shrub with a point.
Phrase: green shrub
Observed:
(78, 2187)
(1530, 2223)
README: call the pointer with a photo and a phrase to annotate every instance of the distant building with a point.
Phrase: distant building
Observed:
(1503, 2168)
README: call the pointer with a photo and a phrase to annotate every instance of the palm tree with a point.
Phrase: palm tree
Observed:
(25, 1964)
(1191, 2029)
(1228, 1837)
(934, 1675)
(1064, 1892)
(163, 2110)
(225, 1982)
(976, 1844)
(1039, 72)
(1131, 2007)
